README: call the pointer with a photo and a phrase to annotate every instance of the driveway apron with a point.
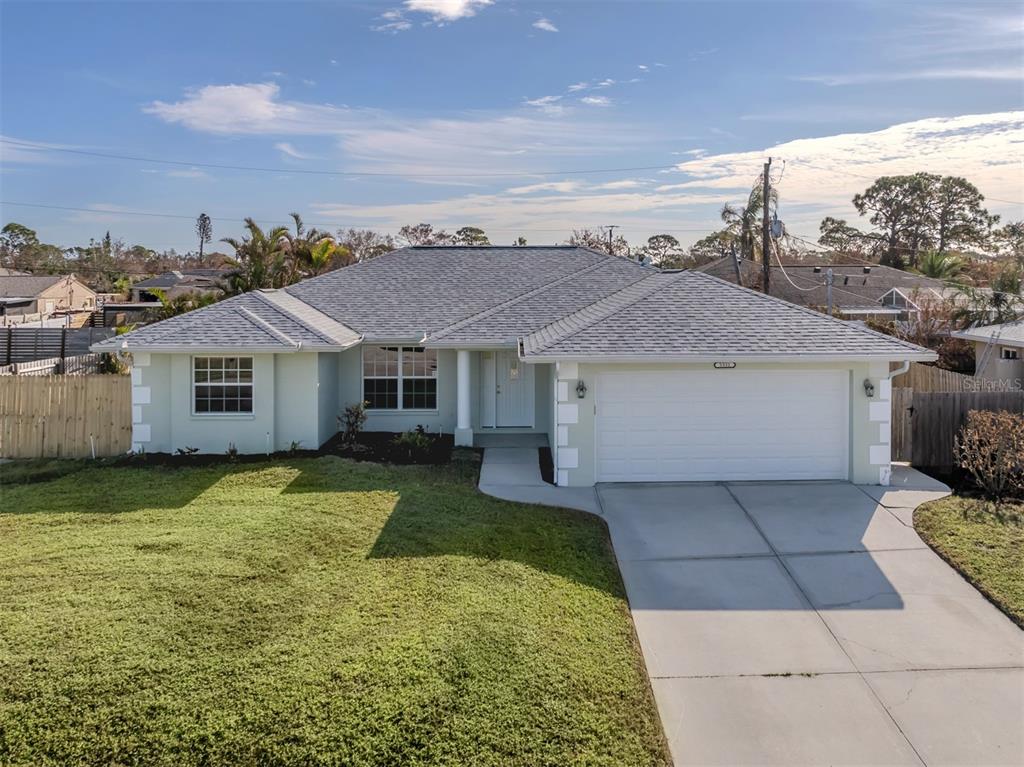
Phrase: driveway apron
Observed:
(807, 623)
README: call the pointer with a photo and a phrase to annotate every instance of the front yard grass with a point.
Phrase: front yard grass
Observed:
(984, 542)
(310, 611)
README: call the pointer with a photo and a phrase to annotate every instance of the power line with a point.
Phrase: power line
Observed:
(346, 173)
(237, 219)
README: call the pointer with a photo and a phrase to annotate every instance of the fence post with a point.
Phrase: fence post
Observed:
(63, 346)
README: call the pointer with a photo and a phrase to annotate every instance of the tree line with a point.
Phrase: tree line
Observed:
(936, 225)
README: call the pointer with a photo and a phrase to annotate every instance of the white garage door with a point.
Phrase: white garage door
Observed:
(722, 425)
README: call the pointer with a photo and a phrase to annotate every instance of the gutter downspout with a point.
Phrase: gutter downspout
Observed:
(903, 368)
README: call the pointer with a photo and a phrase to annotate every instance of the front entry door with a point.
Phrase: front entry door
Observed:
(514, 391)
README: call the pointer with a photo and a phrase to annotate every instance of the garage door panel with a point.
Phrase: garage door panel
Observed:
(694, 426)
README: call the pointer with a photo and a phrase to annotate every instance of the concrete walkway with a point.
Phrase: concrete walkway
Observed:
(805, 623)
(513, 473)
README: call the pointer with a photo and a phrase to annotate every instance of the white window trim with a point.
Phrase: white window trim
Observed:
(1009, 353)
(396, 410)
(192, 391)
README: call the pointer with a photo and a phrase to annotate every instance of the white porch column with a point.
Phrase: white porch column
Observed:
(463, 426)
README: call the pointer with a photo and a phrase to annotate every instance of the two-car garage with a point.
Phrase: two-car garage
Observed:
(731, 424)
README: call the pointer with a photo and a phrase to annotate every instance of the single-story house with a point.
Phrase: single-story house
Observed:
(179, 282)
(632, 373)
(859, 291)
(998, 351)
(47, 293)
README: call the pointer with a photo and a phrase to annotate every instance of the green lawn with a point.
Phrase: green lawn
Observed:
(983, 542)
(310, 611)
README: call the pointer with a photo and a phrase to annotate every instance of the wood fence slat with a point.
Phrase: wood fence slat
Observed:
(56, 415)
(937, 418)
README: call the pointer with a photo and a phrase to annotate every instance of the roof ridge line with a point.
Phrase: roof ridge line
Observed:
(278, 334)
(808, 310)
(616, 310)
(265, 298)
(491, 311)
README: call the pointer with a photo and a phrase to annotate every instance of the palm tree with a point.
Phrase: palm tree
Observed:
(745, 223)
(311, 251)
(260, 260)
(941, 266)
(1000, 304)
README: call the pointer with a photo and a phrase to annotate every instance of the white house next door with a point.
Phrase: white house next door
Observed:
(513, 391)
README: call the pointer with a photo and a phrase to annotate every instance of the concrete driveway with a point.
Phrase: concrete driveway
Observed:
(806, 623)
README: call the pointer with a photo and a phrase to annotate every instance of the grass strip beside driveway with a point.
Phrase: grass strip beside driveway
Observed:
(984, 542)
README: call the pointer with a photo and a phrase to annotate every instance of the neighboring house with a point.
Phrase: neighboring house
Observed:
(176, 283)
(8, 272)
(858, 291)
(43, 295)
(631, 373)
(998, 352)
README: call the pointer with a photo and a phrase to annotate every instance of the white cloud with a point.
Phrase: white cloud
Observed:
(642, 67)
(578, 87)
(548, 186)
(606, 83)
(545, 25)
(379, 141)
(447, 10)
(290, 151)
(894, 76)
(391, 22)
(822, 174)
(626, 183)
(543, 101)
(596, 101)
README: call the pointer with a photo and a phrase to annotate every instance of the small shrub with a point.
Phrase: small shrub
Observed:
(352, 421)
(990, 447)
(415, 444)
(294, 447)
(231, 452)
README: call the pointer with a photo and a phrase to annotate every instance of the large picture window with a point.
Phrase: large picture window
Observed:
(400, 377)
(221, 385)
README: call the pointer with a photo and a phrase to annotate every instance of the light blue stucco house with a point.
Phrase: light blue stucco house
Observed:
(629, 372)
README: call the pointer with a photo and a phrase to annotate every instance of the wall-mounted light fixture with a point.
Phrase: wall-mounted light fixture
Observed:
(581, 389)
(725, 365)
(869, 388)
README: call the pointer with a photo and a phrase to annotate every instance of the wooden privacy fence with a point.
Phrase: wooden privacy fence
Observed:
(65, 416)
(926, 378)
(925, 424)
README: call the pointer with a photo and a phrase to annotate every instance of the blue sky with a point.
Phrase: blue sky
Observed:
(462, 112)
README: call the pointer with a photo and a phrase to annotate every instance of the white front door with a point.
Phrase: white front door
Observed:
(657, 426)
(513, 392)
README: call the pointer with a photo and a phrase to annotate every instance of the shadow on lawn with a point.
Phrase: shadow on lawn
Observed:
(438, 512)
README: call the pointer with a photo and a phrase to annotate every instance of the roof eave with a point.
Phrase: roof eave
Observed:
(925, 356)
(218, 348)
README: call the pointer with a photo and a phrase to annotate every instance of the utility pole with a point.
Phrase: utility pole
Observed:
(610, 230)
(765, 232)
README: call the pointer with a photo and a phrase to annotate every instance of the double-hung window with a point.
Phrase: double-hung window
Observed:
(400, 377)
(221, 385)
(1009, 353)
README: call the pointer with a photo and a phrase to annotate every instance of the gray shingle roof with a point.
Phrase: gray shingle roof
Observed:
(197, 277)
(691, 314)
(852, 289)
(506, 322)
(249, 321)
(27, 286)
(1009, 333)
(417, 291)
